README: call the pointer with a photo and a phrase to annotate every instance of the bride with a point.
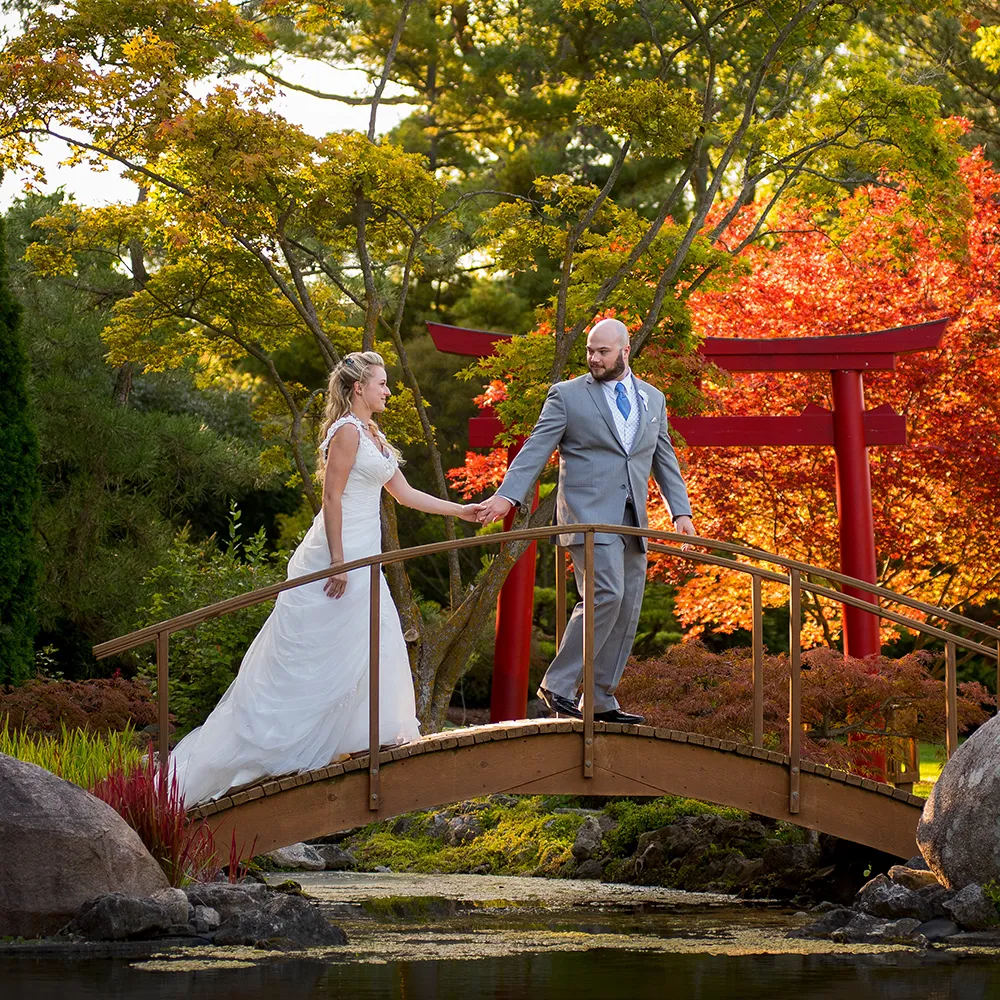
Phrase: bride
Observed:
(300, 698)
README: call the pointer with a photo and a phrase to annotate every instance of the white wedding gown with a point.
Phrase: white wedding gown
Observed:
(300, 699)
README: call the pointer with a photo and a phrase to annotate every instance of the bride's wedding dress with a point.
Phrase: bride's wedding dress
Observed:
(300, 699)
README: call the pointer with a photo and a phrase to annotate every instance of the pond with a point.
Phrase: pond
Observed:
(494, 938)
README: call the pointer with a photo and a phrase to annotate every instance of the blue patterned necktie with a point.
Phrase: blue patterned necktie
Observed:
(621, 401)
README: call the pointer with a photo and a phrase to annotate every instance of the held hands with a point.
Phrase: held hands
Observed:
(470, 512)
(684, 526)
(493, 509)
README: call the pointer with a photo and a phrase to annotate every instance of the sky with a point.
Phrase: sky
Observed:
(315, 115)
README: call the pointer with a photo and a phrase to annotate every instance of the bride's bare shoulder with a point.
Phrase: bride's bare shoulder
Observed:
(342, 439)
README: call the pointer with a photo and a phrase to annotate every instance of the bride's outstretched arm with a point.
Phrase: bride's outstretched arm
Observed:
(405, 494)
(339, 460)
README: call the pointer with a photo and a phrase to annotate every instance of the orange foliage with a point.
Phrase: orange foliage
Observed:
(936, 500)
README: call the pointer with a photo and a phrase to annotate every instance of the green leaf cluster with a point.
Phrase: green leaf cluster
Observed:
(124, 458)
(204, 661)
(655, 116)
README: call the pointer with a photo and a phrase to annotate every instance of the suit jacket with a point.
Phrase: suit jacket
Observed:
(594, 468)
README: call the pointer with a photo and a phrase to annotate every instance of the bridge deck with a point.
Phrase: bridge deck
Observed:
(545, 756)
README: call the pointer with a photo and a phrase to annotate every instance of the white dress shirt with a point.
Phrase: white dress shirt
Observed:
(625, 428)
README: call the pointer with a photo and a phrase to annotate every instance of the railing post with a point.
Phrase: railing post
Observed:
(998, 676)
(163, 695)
(374, 738)
(560, 593)
(588, 654)
(951, 699)
(758, 664)
(794, 690)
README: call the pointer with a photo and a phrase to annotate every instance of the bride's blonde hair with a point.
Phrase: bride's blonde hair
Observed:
(353, 368)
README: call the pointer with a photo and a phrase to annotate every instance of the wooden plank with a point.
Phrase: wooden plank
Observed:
(163, 697)
(374, 648)
(951, 699)
(560, 594)
(794, 689)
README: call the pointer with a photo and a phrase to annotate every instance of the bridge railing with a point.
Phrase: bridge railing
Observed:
(796, 575)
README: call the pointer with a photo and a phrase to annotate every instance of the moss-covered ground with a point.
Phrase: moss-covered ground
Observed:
(530, 835)
(522, 836)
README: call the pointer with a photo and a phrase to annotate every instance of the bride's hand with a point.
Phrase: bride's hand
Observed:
(470, 511)
(336, 585)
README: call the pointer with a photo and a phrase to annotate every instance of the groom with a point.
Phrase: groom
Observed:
(611, 430)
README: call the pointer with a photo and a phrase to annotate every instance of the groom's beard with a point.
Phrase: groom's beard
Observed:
(612, 373)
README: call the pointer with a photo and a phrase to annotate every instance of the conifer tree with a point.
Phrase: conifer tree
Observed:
(18, 492)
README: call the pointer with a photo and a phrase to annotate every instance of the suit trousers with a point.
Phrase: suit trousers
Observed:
(619, 583)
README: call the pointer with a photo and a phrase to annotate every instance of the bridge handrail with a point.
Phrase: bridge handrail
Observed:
(189, 619)
(160, 632)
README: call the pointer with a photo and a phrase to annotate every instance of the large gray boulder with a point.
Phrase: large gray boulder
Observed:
(959, 832)
(116, 917)
(59, 847)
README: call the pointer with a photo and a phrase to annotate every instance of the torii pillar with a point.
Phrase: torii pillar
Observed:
(849, 428)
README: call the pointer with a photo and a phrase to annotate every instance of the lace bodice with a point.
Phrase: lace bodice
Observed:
(372, 469)
(350, 418)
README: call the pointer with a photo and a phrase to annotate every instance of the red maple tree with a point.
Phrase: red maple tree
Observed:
(936, 499)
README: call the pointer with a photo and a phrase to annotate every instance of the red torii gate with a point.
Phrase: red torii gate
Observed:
(515, 605)
(849, 428)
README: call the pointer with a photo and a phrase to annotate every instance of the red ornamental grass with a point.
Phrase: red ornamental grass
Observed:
(154, 809)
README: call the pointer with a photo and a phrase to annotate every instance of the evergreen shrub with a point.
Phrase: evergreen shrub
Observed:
(18, 493)
(204, 660)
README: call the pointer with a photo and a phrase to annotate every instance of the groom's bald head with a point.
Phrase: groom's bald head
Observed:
(607, 349)
(610, 329)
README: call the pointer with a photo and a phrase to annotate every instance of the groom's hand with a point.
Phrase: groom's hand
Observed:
(493, 509)
(684, 526)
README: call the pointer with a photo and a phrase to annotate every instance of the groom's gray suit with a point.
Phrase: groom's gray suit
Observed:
(600, 482)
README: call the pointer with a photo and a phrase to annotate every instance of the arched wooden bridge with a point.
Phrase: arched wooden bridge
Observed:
(544, 757)
(589, 757)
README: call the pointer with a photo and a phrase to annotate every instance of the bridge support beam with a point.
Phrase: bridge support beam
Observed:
(544, 758)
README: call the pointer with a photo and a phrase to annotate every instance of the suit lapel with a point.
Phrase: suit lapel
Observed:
(644, 425)
(600, 401)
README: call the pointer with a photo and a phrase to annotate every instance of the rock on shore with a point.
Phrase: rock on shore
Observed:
(219, 913)
(958, 833)
(60, 846)
(909, 906)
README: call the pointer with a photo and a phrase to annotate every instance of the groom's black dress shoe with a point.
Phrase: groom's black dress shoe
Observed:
(558, 705)
(617, 715)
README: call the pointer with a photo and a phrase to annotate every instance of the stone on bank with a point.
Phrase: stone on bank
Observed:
(959, 833)
(60, 847)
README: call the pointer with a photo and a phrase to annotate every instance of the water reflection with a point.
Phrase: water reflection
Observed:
(596, 973)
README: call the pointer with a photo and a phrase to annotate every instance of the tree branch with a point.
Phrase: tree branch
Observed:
(390, 56)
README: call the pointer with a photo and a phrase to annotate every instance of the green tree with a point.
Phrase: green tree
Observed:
(126, 458)
(18, 493)
(953, 51)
